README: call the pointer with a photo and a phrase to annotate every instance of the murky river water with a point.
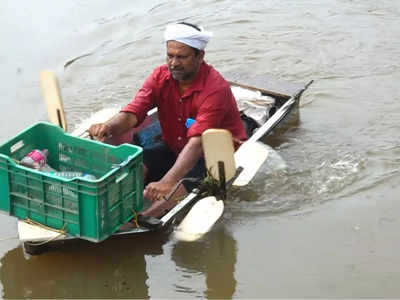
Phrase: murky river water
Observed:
(326, 227)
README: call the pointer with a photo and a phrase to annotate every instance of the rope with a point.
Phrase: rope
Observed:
(61, 232)
(45, 242)
(135, 218)
(31, 222)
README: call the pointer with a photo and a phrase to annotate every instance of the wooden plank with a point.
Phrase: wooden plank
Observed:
(52, 96)
(35, 233)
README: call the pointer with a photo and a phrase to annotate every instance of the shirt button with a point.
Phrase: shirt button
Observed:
(179, 120)
(179, 138)
(180, 100)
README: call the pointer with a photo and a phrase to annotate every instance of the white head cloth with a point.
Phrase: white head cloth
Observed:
(187, 35)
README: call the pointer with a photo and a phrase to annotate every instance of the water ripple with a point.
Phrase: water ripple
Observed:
(281, 191)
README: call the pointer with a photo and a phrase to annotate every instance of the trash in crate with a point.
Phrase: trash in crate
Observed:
(36, 159)
(47, 169)
(73, 174)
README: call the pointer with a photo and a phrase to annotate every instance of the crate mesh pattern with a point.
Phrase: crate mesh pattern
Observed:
(88, 209)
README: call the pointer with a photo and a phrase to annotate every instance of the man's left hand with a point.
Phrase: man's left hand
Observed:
(155, 191)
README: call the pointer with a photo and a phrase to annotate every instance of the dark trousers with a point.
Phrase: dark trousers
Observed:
(160, 158)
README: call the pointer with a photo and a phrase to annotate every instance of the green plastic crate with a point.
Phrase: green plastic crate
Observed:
(88, 209)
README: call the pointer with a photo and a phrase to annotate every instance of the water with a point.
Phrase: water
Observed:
(326, 226)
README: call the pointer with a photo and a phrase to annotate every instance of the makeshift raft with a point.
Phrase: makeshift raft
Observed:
(274, 108)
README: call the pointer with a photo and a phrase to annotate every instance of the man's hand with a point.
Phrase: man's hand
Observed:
(187, 159)
(100, 131)
(117, 125)
(157, 190)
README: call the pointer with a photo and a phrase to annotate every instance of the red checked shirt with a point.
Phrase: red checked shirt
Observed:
(208, 100)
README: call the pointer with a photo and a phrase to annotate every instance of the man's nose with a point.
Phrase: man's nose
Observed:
(174, 62)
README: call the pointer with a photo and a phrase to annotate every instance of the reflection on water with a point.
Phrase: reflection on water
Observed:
(116, 268)
(215, 257)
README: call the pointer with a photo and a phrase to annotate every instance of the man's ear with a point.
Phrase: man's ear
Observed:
(201, 55)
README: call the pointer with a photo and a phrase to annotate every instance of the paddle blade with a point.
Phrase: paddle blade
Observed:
(200, 219)
(218, 146)
(250, 156)
(52, 96)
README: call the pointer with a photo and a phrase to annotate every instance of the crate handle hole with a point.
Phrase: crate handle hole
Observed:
(18, 145)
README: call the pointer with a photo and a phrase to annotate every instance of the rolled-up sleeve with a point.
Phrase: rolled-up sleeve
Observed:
(143, 100)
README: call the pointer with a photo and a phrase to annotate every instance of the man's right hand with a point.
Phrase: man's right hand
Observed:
(100, 131)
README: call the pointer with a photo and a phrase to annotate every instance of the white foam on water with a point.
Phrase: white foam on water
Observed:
(97, 117)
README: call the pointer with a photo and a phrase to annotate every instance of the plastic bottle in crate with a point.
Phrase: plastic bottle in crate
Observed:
(73, 174)
(36, 159)
(47, 169)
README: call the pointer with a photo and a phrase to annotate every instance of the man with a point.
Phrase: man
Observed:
(185, 88)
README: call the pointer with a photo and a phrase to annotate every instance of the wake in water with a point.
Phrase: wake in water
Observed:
(278, 189)
(275, 191)
(97, 117)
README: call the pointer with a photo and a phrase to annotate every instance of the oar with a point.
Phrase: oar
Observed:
(200, 219)
(52, 96)
(218, 153)
(250, 157)
(55, 108)
(218, 150)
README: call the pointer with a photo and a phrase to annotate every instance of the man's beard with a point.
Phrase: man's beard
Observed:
(182, 75)
(179, 74)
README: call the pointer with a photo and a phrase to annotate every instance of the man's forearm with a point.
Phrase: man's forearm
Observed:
(121, 123)
(187, 159)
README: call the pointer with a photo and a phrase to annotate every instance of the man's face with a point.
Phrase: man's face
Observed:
(182, 61)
